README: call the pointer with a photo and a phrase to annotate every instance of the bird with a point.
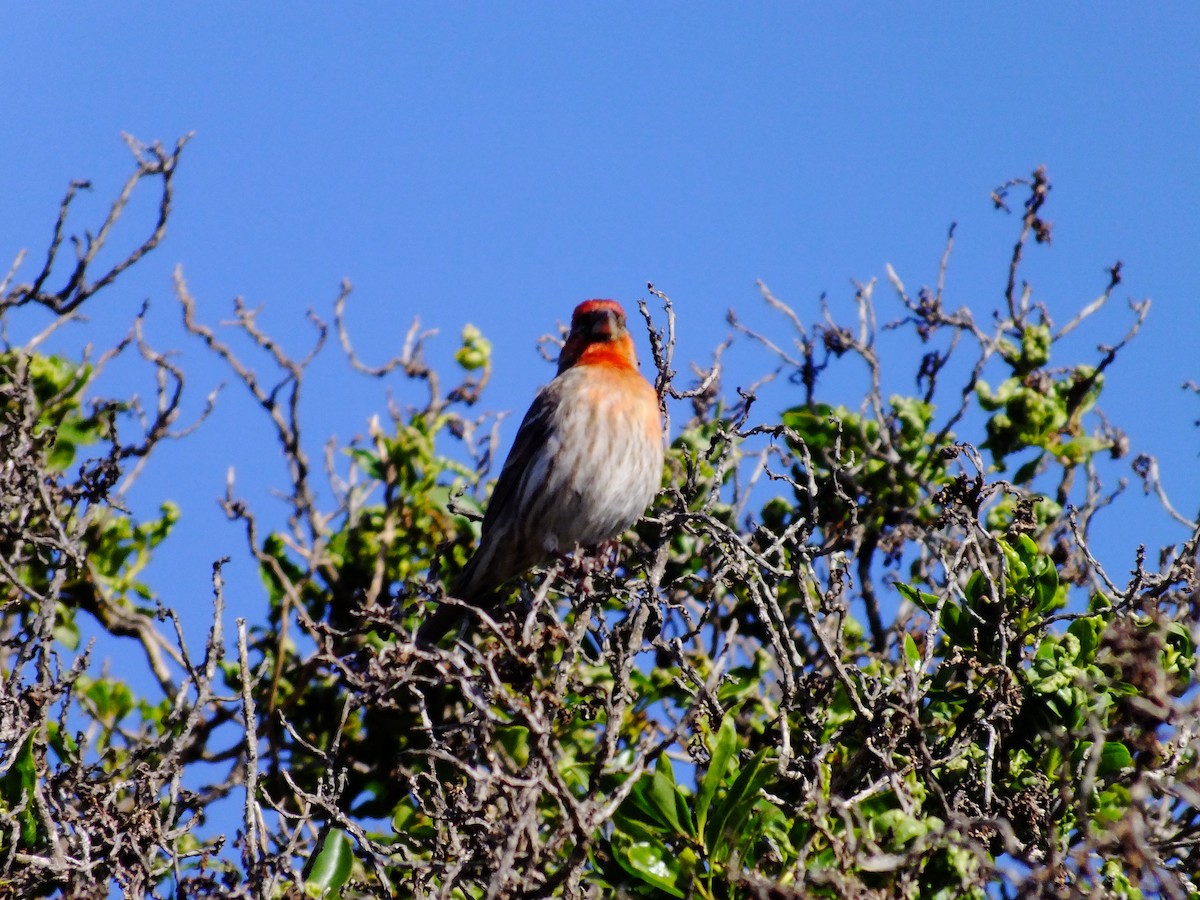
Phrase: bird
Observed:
(586, 462)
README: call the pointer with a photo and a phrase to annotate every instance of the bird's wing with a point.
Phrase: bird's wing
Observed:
(502, 553)
(537, 428)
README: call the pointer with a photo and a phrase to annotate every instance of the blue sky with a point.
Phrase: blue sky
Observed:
(499, 164)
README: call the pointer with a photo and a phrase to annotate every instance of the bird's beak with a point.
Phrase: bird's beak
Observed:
(604, 327)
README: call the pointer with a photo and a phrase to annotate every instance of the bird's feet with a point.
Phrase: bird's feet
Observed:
(585, 562)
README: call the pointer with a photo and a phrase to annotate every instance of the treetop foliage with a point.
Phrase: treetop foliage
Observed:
(849, 652)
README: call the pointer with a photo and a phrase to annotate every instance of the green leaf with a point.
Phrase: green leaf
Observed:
(1181, 636)
(952, 623)
(403, 818)
(900, 827)
(1112, 804)
(1114, 756)
(1028, 470)
(62, 455)
(976, 585)
(61, 742)
(331, 868)
(17, 788)
(1045, 585)
(814, 424)
(912, 653)
(722, 748)
(66, 629)
(368, 462)
(663, 795)
(651, 862)
(1087, 632)
(634, 822)
(737, 805)
(515, 740)
(1028, 549)
(1179, 653)
(927, 602)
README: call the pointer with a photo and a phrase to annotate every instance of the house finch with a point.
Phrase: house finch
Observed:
(585, 464)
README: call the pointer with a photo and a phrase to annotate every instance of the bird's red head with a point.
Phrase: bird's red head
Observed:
(598, 335)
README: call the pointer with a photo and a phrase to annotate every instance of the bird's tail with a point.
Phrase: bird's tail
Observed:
(455, 616)
(479, 587)
(446, 618)
(471, 593)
